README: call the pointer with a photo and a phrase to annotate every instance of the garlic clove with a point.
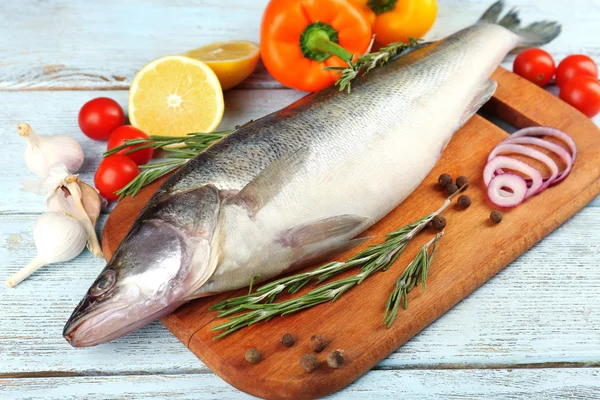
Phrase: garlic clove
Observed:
(43, 151)
(68, 197)
(81, 213)
(91, 201)
(58, 237)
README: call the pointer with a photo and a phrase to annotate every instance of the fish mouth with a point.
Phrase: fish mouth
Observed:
(102, 327)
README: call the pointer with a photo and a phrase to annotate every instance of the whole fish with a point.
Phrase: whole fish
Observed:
(300, 184)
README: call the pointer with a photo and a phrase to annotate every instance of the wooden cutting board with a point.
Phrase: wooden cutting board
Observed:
(471, 252)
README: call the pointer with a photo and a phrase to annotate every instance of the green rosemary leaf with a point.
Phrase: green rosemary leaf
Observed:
(367, 62)
(415, 272)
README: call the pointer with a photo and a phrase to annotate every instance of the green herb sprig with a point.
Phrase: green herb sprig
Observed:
(367, 62)
(178, 151)
(415, 273)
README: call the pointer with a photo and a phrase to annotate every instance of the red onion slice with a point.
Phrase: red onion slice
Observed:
(506, 147)
(499, 162)
(510, 181)
(553, 147)
(546, 131)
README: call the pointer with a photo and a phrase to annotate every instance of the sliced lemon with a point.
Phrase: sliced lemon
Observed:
(232, 61)
(174, 96)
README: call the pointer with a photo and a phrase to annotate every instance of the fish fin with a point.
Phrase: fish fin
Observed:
(532, 35)
(269, 181)
(341, 226)
(313, 255)
(485, 92)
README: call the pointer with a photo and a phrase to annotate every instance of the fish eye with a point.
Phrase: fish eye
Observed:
(104, 283)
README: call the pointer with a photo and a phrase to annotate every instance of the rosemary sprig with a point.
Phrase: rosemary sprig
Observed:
(260, 306)
(385, 253)
(189, 146)
(193, 143)
(367, 62)
(415, 273)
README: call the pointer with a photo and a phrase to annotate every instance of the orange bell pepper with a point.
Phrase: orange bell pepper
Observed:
(398, 20)
(299, 38)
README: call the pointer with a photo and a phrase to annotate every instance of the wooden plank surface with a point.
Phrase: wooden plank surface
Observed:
(550, 383)
(102, 44)
(60, 44)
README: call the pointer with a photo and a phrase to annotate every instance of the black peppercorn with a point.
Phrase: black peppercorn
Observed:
(462, 181)
(496, 216)
(444, 180)
(464, 201)
(317, 343)
(335, 359)
(288, 340)
(438, 222)
(309, 362)
(252, 356)
(451, 188)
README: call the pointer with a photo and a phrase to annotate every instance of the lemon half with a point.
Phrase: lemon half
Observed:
(232, 61)
(174, 96)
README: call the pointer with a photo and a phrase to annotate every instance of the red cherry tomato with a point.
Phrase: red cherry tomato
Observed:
(535, 65)
(99, 117)
(128, 132)
(114, 172)
(583, 93)
(574, 65)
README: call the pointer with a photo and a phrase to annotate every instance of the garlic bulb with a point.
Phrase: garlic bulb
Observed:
(43, 151)
(78, 199)
(58, 237)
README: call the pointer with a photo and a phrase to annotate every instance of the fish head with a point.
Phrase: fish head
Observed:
(158, 267)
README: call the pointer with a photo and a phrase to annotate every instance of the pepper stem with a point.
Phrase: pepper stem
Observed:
(381, 6)
(319, 41)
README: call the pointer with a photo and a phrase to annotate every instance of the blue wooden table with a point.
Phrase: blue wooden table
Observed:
(531, 332)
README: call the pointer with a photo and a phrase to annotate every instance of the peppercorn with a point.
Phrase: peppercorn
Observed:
(464, 201)
(288, 340)
(317, 343)
(438, 222)
(252, 356)
(496, 216)
(335, 359)
(462, 181)
(444, 180)
(451, 188)
(309, 362)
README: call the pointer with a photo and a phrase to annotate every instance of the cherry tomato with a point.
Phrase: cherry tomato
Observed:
(99, 117)
(583, 93)
(128, 132)
(576, 64)
(535, 65)
(114, 172)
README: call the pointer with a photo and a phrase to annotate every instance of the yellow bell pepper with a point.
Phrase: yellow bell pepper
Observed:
(399, 20)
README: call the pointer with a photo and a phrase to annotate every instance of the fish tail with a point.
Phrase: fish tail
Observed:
(533, 35)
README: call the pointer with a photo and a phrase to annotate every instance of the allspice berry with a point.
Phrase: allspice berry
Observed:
(335, 359)
(496, 216)
(309, 362)
(252, 356)
(444, 180)
(462, 181)
(451, 188)
(317, 343)
(464, 201)
(288, 340)
(438, 222)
